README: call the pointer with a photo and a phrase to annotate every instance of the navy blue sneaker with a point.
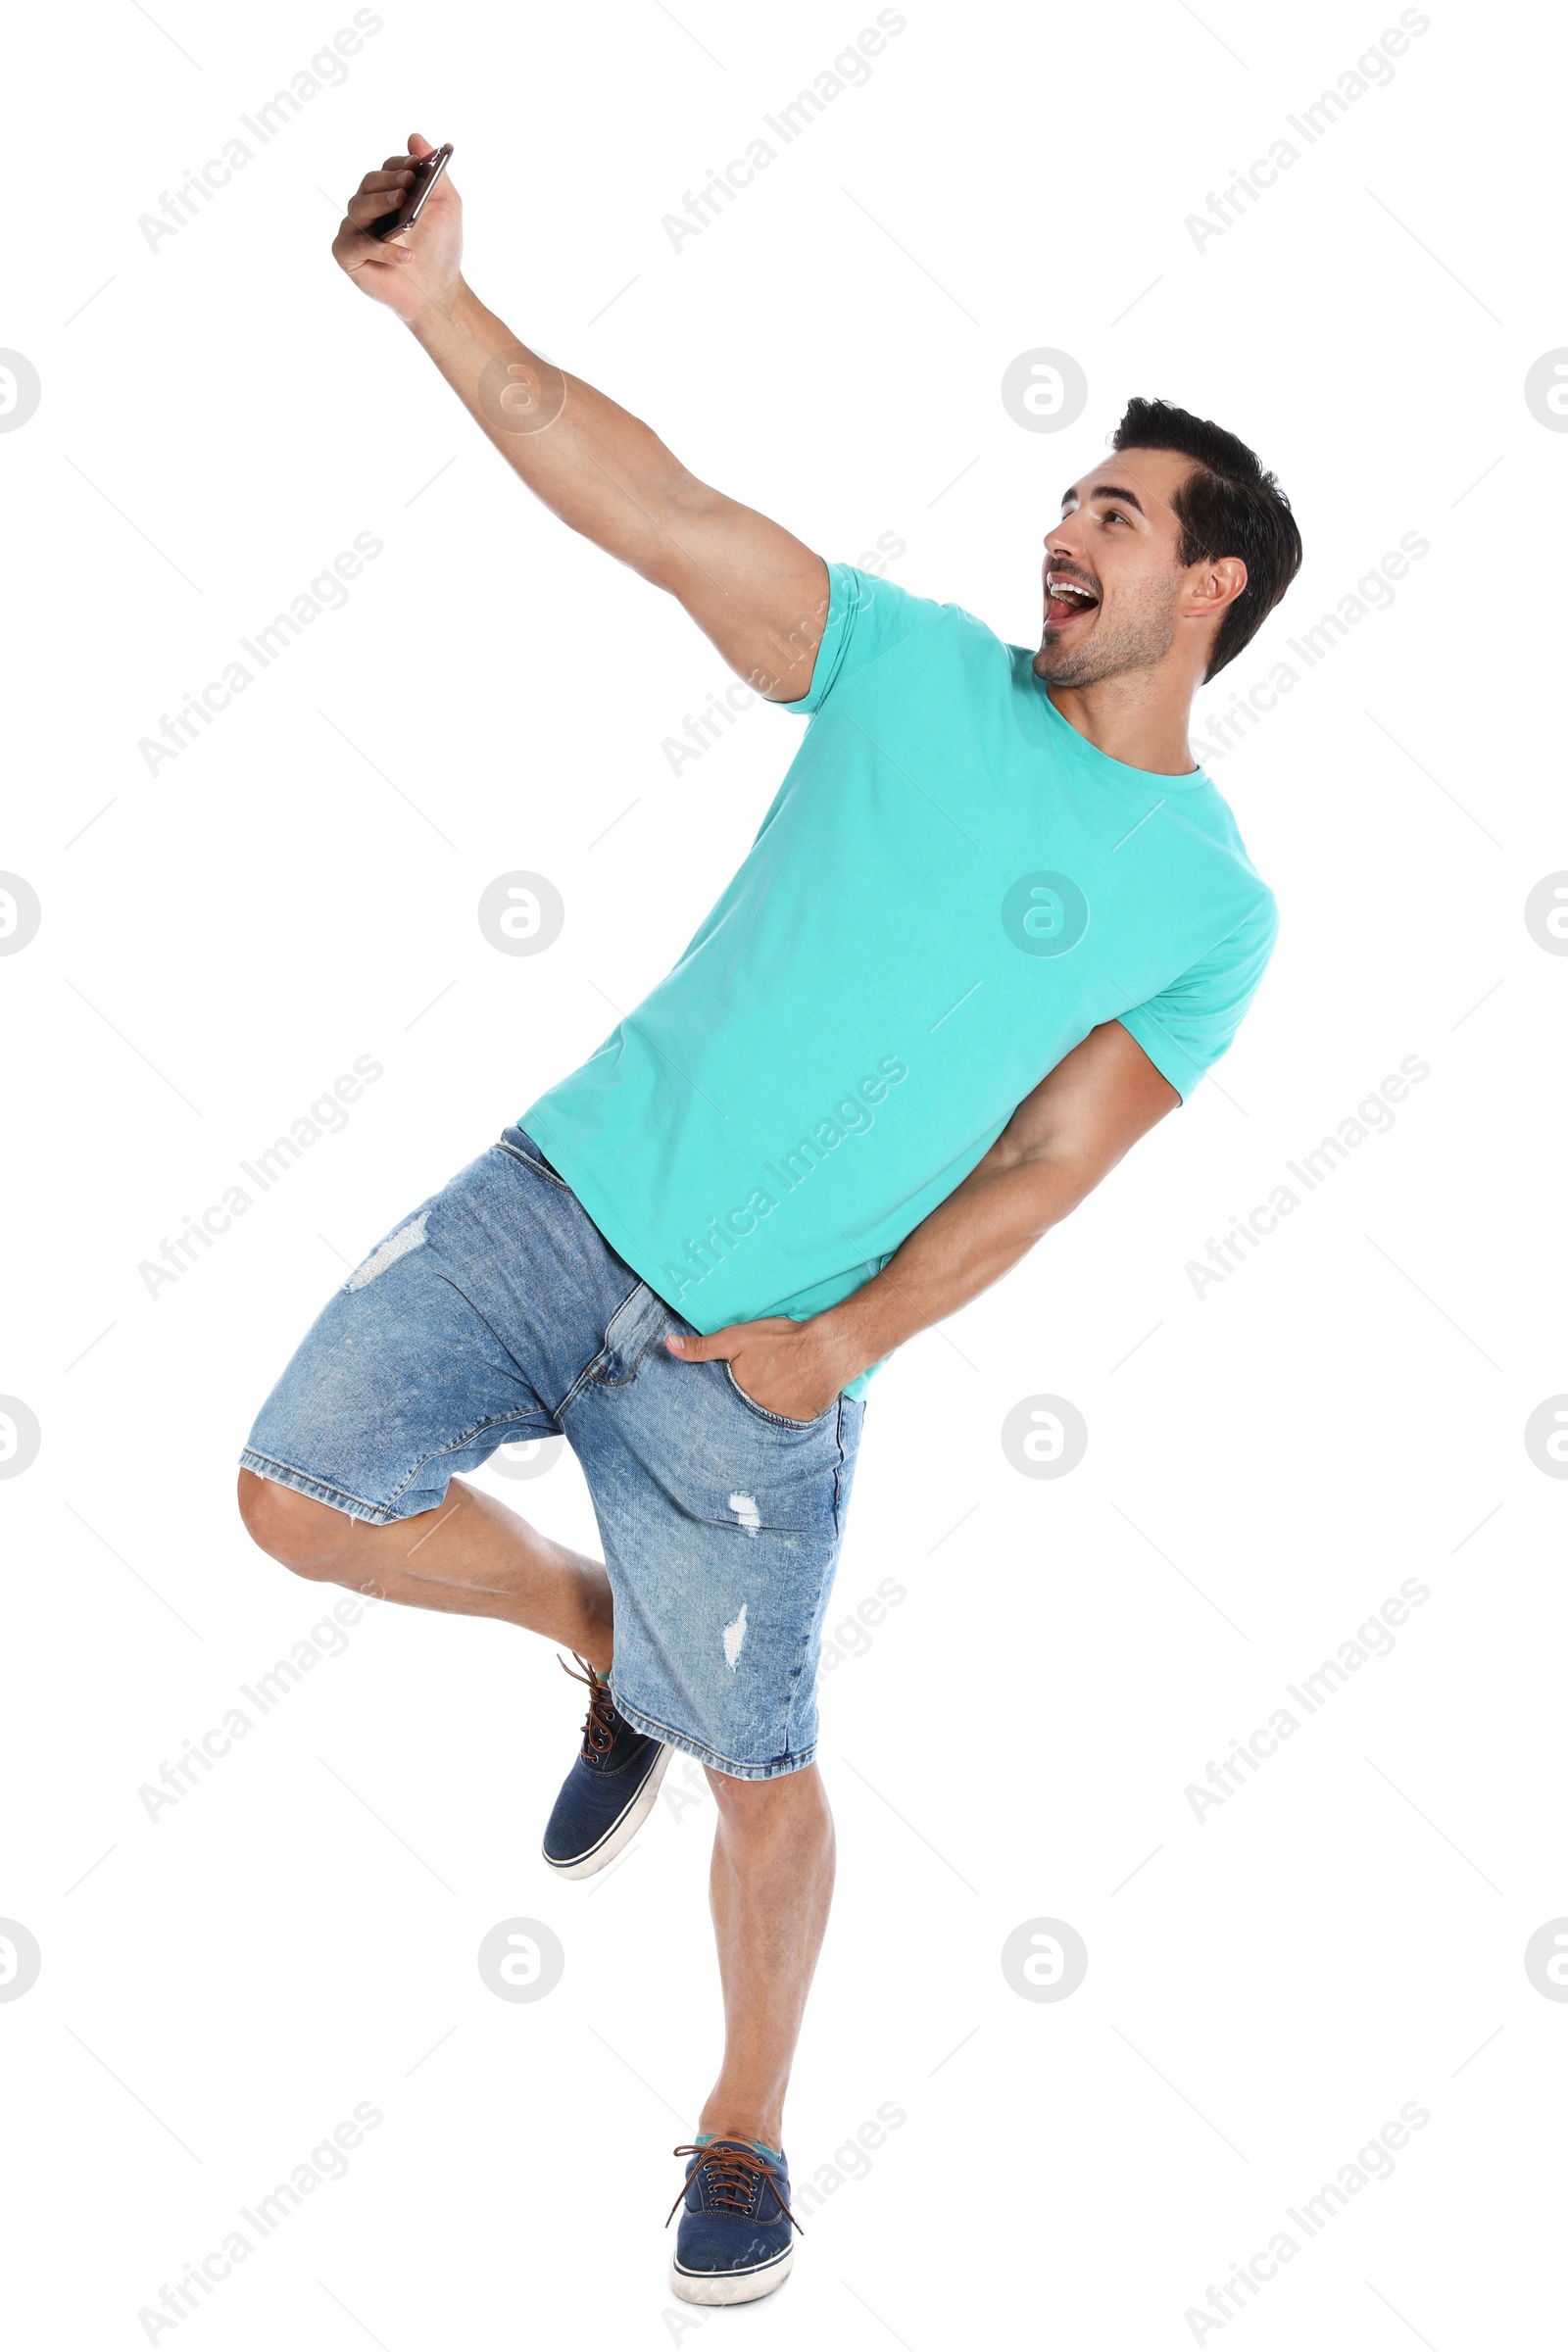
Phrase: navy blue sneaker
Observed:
(608, 1792)
(734, 2243)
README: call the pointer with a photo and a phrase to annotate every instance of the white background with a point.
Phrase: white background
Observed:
(219, 418)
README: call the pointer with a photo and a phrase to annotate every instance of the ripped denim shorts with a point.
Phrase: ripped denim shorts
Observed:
(497, 1311)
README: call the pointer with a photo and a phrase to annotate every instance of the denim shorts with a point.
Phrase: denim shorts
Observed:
(499, 1311)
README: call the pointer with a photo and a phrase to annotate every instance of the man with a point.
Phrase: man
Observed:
(995, 925)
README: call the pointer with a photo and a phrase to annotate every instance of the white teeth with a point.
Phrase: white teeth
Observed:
(1069, 588)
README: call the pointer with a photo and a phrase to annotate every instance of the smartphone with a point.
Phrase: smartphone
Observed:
(425, 175)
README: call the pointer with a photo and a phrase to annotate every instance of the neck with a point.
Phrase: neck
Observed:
(1139, 717)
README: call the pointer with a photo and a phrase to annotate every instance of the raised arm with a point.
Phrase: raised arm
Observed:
(757, 592)
(1057, 1146)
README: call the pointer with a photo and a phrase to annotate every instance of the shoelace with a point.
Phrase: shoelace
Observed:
(599, 1724)
(733, 2176)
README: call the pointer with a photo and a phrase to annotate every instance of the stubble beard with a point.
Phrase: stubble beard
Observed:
(1139, 639)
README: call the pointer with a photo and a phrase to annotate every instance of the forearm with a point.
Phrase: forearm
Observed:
(602, 471)
(752, 587)
(1061, 1141)
(991, 1220)
(759, 593)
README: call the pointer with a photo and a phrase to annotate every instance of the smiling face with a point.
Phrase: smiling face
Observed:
(1115, 591)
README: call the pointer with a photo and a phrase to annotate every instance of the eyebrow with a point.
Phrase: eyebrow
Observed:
(1106, 490)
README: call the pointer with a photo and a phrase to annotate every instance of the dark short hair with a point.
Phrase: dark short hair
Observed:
(1228, 505)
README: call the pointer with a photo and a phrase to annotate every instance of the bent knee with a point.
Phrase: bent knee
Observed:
(306, 1536)
(749, 1804)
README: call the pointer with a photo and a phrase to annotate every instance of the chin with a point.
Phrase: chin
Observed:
(1099, 654)
(1058, 668)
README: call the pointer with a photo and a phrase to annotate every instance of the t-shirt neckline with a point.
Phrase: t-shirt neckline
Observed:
(1185, 782)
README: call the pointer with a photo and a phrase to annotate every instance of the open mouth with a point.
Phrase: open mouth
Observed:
(1066, 599)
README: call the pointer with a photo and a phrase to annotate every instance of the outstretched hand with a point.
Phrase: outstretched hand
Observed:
(422, 266)
(793, 1369)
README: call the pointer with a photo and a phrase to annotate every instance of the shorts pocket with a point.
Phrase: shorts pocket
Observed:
(762, 1412)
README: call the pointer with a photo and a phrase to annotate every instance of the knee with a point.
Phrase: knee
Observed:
(794, 1805)
(305, 1536)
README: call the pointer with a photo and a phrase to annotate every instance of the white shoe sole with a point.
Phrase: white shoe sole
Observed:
(616, 1839)
(729, 2287)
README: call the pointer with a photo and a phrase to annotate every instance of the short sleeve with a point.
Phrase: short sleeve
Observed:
(866, 617)
(1188, 1026)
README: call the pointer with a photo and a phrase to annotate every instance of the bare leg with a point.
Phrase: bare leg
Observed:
(471, 1557)
(774, 1850)
(771, 1885)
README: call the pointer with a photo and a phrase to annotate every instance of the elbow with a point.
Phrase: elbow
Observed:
(1065, 1173)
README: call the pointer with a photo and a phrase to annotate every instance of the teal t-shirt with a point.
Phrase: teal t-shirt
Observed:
(950, 889)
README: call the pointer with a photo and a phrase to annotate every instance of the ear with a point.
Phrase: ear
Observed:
(1212, 587)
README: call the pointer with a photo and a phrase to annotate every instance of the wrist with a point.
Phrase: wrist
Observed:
(452, 314)
(853, 1344)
